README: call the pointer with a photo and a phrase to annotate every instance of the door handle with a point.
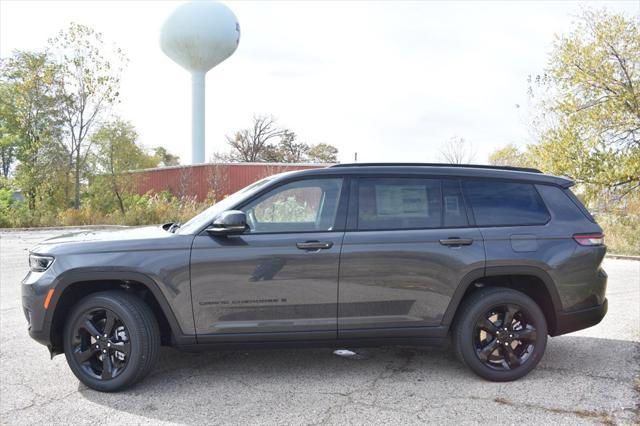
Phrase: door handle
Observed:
(315, 245)
(455, 241)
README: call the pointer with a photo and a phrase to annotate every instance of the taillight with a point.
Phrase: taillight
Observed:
(589, 239)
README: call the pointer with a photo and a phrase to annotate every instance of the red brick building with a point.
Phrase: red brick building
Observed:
(220, 179)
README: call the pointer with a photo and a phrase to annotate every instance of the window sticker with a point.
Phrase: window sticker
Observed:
(402, 201)
(452, 205)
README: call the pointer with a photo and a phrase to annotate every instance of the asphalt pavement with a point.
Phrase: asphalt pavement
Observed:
(588, 377)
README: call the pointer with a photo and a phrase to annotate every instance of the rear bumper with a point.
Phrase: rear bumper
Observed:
(568, 322)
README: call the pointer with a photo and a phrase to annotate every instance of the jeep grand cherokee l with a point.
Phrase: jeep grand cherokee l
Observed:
(493, 259)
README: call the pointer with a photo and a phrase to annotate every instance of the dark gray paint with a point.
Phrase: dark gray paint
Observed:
(402, 278)
(385, 283)
(293, 290)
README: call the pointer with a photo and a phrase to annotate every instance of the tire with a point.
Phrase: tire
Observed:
(495, 355)
(131, 345)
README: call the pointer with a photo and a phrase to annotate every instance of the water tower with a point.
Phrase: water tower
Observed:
(198, 36)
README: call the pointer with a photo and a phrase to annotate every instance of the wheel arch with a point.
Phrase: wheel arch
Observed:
(533, 281)
(74, 285)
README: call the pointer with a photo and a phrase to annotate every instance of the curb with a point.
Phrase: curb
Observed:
(623, 256)
(62, 228)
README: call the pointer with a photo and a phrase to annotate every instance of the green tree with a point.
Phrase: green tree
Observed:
(592, 105)
(510, 155)
(166, 158)
(90, 84)
(116, 154)
(8, 142)
(30, 116)
(323, 153)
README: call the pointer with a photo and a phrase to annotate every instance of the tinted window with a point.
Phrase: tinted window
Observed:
(454, 209)
(505, 203)
(399, 203)
(307, 205)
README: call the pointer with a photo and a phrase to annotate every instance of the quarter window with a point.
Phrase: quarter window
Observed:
(497, 203)
(399, 203)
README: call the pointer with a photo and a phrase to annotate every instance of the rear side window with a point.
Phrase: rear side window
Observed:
(399, 203)
(497, 203)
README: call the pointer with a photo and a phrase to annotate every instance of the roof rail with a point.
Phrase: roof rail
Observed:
(469, 166)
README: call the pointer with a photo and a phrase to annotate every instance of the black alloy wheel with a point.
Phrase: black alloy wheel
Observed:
(504, 337)
(101, 344)
(111, 340)
(499, 333)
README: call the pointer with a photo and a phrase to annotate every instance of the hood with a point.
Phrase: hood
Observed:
(124, 239)
(118, 234)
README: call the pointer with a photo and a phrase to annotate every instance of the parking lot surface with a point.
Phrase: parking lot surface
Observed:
(588, 377)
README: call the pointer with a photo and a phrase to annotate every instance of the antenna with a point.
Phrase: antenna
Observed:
(198, 36)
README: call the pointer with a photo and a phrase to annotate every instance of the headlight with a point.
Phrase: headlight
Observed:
(39, 263)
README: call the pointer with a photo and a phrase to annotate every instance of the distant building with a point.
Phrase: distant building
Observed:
(199, 180)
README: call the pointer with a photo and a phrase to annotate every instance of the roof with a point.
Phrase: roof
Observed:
(457, 170)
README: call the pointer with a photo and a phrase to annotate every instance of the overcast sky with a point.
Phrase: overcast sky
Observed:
(391, 81)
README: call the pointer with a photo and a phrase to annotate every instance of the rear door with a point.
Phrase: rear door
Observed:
(407, 247)
(279, 280)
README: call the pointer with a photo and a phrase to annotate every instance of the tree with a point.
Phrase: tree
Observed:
(323, 153)
(8, 142)
(90, 83)
(510, 155)
(116, 153)
(265, 141)
(591, 129)
(249, 145)
(166, 158)
(457, 151)
(30, 116)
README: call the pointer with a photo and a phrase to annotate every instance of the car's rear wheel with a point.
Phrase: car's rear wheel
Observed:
(111, 340)
(500, 334)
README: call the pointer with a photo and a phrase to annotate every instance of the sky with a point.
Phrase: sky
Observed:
(392, 81)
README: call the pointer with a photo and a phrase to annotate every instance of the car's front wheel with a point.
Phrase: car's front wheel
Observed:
(111, 340)
(500, 334)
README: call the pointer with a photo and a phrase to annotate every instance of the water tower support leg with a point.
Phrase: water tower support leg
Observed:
(197, 117)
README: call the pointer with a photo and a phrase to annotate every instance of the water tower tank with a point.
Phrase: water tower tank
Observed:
(198, 36)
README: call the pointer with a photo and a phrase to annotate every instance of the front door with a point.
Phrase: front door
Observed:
(278, 280)
(408, 247)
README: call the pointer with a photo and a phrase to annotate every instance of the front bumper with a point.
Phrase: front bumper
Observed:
(568, 322)
(35, 287)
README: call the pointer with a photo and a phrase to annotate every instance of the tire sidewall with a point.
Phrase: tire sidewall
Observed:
(487, 302)
(136, 336)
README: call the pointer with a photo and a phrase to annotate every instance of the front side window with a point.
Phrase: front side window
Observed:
(399, 203)
(496, 203)
(302, 206)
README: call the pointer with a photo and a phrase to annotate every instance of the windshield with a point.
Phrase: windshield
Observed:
(206, 217)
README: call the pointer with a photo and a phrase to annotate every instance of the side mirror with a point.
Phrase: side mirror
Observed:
(229, 222)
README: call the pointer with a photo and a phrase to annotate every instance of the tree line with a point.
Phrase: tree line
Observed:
(62, 146)
(586, 121)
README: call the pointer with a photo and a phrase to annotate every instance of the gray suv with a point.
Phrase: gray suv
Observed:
(493, 259)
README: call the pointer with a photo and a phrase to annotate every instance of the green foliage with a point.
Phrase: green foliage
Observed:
(116, 153)
(165, 158)
(590, 123)
(90, 85)
(510, 155)
(323, 153)
(30, 118)
(139, 210)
